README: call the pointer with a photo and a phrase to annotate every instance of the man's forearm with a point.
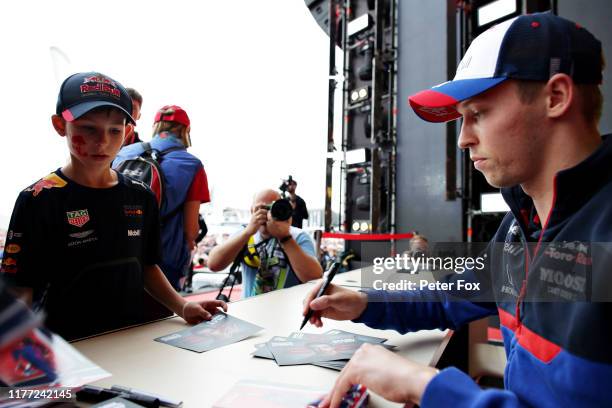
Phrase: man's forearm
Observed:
(24, 294)
(305, 266)
(191, 226)
(223, 255)
(157, 285)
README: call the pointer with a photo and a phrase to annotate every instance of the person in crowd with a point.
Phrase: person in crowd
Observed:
(418, 245)
(201, 265)
(274, 255)
(99, 229)
(300, 212)
(528, 92)
(132, 136)
(186, 188)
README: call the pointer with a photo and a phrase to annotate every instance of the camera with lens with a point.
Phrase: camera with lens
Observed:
(281, 210)
(285, 186)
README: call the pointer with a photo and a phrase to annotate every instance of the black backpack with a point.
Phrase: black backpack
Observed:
(146, 168)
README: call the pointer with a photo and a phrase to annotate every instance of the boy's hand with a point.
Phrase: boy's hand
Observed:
(196, 312)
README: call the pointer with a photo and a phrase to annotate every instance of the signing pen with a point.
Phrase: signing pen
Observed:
(330, 275)
(167, 402)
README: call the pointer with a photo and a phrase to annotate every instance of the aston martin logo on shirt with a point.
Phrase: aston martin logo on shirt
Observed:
(78, 218)
(82, 235)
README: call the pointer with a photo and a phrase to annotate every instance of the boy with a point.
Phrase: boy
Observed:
(84, 240)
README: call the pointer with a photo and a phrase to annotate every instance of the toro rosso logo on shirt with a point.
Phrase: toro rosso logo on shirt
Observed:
(78, 218)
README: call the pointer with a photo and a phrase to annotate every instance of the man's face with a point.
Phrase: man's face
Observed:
(135, 110)
(261, 201)
(95, 138)
(503, 135)
(291, 186)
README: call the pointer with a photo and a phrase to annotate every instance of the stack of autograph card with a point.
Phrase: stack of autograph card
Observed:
(37, 367)
(332, 349)
(219, 331)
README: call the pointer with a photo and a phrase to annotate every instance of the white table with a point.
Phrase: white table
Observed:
(135, 360)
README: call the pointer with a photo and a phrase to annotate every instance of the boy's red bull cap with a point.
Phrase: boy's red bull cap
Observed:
(530, 47)
(172, 113)
(82, 92)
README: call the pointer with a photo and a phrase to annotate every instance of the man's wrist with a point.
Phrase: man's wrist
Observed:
(246, 234)
(285, 239)
(421, 380)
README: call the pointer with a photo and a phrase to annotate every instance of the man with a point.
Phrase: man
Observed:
(185, 188)
(275, 254)
(132, 136)
(300, 212)
(84, 239)
(528, 93)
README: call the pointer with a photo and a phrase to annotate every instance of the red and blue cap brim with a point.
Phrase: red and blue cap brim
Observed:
(76, 111)
(438, 104)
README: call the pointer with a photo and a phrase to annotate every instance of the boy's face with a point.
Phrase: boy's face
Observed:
(95, 138)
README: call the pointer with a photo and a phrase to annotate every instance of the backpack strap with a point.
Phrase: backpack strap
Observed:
(171, 149)
(148, 149)
(178, 209)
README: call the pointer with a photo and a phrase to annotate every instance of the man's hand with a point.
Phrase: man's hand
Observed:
(196, 312)
(258, 218)
(338, 303)
(392, 377)
(278, 229)
(191, 245)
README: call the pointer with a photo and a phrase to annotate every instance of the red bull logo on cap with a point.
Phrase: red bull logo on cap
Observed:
(100, 84)
(99, 79)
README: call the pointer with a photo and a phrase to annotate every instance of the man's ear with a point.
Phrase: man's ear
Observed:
(59, 124)
(560, 95)
(129, 129)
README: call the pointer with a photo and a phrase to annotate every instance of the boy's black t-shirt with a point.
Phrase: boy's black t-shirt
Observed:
(83, 251)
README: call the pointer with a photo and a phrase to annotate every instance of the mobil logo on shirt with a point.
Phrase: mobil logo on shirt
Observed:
(78, 218)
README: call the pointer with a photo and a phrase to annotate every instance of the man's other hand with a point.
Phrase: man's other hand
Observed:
(392, 377)
(278, 229)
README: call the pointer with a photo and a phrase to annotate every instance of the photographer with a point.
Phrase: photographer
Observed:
(274, 255)
(300, 212)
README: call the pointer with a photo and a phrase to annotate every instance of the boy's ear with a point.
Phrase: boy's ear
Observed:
(129, 128)
(59, 124)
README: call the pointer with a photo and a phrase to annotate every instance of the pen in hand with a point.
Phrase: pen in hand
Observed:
(330, 275)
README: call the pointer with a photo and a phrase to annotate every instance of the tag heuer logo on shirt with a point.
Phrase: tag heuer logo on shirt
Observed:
(133, 232)
(78, 218)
